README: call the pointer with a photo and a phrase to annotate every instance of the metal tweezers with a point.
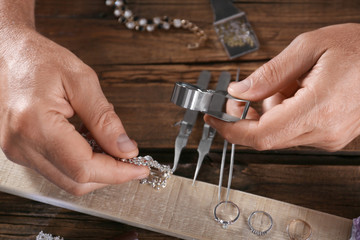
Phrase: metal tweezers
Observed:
(209, 132)
(188, 122)
(243, 116)
(194, 98)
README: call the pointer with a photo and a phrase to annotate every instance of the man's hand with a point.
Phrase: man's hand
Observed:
(42, 85)
(311, 94)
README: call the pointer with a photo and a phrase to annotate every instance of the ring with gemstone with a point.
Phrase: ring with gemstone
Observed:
(257, 230)
(226, 205)
(298, 229)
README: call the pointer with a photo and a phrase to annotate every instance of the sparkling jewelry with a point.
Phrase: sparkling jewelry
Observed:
(47, 236)
(258, 231)
(298, 229)
(131, 21)
(159, 173)
(226, 208)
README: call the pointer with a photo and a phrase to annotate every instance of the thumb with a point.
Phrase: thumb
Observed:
(287, 67)
(99, 117)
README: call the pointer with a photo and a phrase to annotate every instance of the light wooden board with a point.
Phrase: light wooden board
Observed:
(179, 210)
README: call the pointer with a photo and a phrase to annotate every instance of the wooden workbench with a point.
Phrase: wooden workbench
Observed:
(137, 71)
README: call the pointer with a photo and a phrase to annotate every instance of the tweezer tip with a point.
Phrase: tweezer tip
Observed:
(195, 176)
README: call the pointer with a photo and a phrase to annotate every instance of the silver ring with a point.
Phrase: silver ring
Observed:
(225, 223)
(256, 231)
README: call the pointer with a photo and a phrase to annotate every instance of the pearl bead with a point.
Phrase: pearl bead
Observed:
(109, 2)
(150, 28)
(128, 14)
(130, 25)
(177, 23)
(119, 3)
(117, 12)
(157, 20)
(142, 22)
(166, 25)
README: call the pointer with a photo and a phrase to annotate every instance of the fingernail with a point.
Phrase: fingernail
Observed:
(208, 119)
(239, 87)
(125, 144)
(145, 175)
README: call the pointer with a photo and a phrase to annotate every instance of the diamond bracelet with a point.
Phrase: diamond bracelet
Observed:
(159, 173)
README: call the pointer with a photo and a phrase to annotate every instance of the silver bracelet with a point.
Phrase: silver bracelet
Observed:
(159, 173)
(47, 236)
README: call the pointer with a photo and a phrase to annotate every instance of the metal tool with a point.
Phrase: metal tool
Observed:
(233, 29)
(209, 132)
(243, 116)
(210, 102)
(194, 98)
(189, 120)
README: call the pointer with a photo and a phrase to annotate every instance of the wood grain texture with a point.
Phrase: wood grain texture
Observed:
(329, 184)
(91, 32)
(141, 96)
(179, 210)
(137, 71)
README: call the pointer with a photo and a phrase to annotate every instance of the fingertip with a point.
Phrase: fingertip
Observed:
(214, 122)
(143, 173)
(237, 88)
(130, 154)
(108, 170)
(209, 120)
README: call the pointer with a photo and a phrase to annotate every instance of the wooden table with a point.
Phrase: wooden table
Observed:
(137, 71)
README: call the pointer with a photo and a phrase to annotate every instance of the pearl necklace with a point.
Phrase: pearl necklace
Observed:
(131, 21)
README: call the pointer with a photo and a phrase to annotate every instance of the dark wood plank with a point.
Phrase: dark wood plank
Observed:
(88, 29)
(137, 72)
(23, 219)
(141, 96)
